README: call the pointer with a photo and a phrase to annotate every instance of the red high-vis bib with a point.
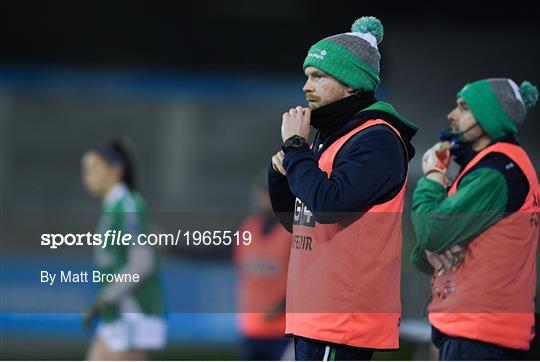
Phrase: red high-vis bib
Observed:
(262, 279)
(344, 279)
(490, 296)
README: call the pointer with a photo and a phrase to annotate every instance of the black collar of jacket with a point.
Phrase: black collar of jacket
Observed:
(468, 153)
(327, 135)
(331, 117)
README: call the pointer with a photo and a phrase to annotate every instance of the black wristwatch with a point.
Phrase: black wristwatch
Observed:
(293, 142)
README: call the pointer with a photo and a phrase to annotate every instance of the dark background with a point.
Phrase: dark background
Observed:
(199, 88)
(236, 35)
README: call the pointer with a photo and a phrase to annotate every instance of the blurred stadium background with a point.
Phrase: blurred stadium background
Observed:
(199, 89)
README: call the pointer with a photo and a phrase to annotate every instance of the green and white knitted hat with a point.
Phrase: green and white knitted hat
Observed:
(498, 104)
(352, 58)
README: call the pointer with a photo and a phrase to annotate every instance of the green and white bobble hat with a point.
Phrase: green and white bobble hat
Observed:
(352, 58)
(498, 104)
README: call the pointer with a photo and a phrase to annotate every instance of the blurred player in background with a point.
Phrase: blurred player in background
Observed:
(131, 314)
(478, 236)
(262, 280)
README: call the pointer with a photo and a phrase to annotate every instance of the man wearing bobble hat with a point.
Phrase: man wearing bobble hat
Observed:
(478, 235)
(342, 198)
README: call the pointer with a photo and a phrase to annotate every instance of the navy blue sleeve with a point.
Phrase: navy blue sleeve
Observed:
(369, 169)
(516, 182)
(281, 198)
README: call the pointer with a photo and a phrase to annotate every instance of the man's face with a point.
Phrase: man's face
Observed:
(321, 89)
(462, 120)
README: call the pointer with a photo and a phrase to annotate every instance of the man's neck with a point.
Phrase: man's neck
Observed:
(481, 143)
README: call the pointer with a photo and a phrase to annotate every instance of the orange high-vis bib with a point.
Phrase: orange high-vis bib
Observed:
(344, 279)
(262, 279)
(490, 296)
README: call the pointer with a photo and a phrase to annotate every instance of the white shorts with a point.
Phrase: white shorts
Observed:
(133, 331)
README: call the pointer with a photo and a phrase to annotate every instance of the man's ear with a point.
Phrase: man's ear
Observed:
(350, 90)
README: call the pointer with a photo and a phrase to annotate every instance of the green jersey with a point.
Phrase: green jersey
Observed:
(441, 222)
(124, 210)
